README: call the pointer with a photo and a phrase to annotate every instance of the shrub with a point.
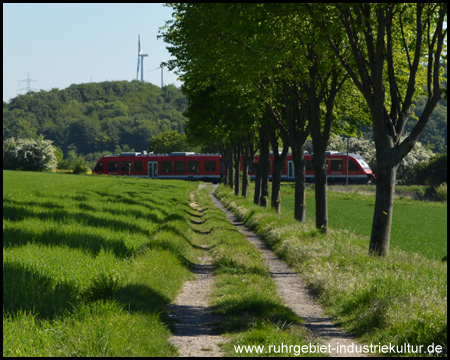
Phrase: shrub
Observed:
(441, 192)
(29, 154)
(80, 166)
(431, 172)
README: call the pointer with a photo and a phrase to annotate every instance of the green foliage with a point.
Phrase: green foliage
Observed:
(29, 154)
(431, 172)
(80, 166)
(441, 192)
(96, 117)
(168, 141)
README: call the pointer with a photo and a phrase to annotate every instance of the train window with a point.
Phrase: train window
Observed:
(113, 166)
(138, 166)
(166, 167)
(352, 166)
(180, 166)
(361, 162)
(124, 166)
(99, 167)
(210, 166)
(193, 166)
(336, 164)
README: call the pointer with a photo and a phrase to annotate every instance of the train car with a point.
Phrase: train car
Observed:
(176, 165)
(359, 172)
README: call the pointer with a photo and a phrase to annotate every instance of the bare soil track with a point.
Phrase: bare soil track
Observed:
(195, 335)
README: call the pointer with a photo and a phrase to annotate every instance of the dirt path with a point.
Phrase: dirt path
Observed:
(195, 336)
(295, 294)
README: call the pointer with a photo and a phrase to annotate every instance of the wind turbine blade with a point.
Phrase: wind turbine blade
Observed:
(139, 52)
(137, 73)
(139, 45)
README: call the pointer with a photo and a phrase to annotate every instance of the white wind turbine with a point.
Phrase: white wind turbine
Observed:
(140, 60)
(162, 71)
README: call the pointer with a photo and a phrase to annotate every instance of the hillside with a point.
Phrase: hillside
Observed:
(96, 117)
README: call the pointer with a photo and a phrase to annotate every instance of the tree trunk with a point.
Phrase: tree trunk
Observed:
(299, 170)
(237, 165)
(225, 166)
(264, 160)
(384, 206)
(230, 169)
(320, 190)
(276, 183)
(245, 170)
(278, 162)
(257, 194)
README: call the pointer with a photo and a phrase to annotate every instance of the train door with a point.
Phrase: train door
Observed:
(152, 169)
(291, 173)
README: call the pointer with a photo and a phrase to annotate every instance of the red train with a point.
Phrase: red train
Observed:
(358, 170)
(182, 165)
(209, 167)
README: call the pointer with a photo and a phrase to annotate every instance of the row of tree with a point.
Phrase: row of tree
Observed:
(261, 75)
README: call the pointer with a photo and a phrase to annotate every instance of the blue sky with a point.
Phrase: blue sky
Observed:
(64, 44)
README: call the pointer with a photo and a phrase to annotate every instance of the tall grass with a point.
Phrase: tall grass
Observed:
(398, 299)
(91, 263)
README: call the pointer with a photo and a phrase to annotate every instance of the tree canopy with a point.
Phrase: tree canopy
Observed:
(96, 117)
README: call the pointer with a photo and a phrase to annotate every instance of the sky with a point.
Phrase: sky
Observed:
(63, 44)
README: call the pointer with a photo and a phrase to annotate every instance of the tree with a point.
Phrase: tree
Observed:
(217, 110)
(376, 34)
(167, 142)
(29, 154)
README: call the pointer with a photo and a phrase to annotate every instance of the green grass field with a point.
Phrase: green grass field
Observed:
(417, 226)
(91, 263)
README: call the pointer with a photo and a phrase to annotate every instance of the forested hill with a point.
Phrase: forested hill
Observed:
(96, 117)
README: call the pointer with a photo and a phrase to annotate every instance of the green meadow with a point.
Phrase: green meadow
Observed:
(417, 226)
(91, 263)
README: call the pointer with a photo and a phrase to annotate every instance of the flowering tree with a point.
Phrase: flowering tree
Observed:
(29, 154)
